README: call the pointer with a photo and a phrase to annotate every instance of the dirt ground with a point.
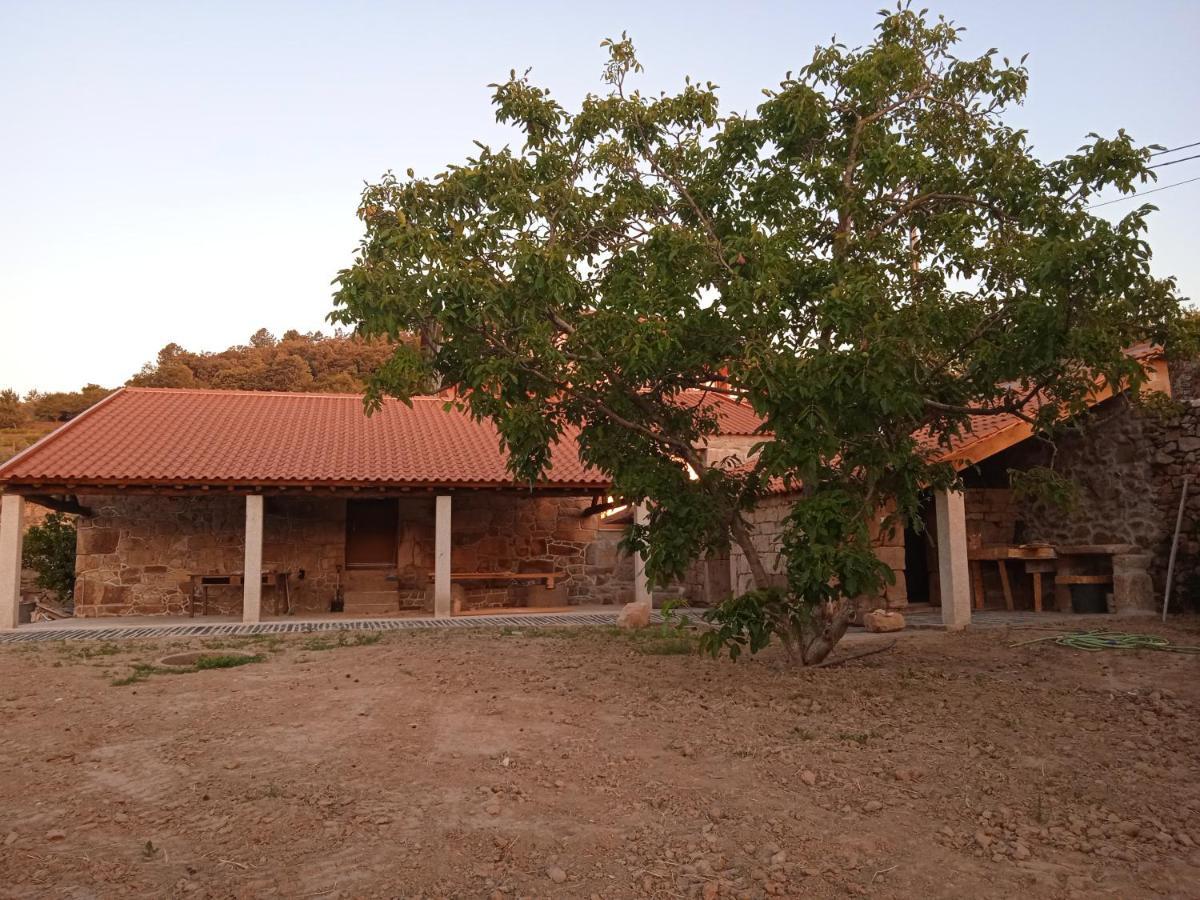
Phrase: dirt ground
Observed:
(583, 763)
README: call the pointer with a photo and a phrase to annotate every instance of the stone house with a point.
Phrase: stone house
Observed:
(991, 546)
(180, 496)
(412, 509)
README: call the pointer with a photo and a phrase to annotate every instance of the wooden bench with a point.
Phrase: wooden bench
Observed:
(550, 578)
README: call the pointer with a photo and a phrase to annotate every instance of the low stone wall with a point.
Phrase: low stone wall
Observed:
(136, 553)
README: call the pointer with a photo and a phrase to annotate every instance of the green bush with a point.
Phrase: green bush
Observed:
(50, 551)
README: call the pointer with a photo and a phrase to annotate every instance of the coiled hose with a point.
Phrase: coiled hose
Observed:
(1110, 640)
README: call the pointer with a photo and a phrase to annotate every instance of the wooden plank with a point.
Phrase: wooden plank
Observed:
(549, 577)
(1037, 591)
(977, 582)
(1008, 597)
(1084, 579)
(1005, 551)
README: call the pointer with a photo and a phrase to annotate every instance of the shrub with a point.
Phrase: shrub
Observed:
(50, 551)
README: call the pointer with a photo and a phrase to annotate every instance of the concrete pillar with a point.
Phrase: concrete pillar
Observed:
(953, 570)
(12, 514)
(441, 559)
(252, 571)
(641, 584)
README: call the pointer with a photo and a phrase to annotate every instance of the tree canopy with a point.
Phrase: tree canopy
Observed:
(337, 363)
(873, 253)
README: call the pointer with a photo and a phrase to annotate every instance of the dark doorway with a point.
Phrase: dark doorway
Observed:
(917, 555)
(371, 534)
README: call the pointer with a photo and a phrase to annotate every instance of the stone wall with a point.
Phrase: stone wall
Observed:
(497, 532)
(1177, 453)
(136, 553)
(735, 447)
(994, 517)
(889, 547)
(766, 521)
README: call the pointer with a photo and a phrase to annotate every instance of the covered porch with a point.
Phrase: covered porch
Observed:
(300, 553)
(253, 504)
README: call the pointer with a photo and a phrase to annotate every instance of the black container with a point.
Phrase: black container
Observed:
(1089, 598)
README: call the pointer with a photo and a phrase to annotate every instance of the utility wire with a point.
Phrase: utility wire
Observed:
(1140, 193)
(1172, 162)
(1173, 149)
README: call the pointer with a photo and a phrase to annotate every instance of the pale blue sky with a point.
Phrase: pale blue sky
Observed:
(189, 172)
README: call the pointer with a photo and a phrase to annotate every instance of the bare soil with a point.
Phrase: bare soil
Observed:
(574, 763)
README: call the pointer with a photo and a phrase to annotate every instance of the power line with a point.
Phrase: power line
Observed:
(1140, 193)
(1174, 149)
(1172, 162)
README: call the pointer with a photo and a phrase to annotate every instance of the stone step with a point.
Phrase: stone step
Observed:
(368, 580)
(365, 602)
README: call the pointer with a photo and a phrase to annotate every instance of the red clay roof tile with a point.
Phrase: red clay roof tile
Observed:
(734, 416)
(195, 437)
(164, 436)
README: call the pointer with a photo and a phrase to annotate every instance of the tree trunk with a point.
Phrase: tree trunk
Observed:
(831, 626)
(741, 535)
(808, 645)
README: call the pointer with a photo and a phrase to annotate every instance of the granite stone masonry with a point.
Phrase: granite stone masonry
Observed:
(136, 554)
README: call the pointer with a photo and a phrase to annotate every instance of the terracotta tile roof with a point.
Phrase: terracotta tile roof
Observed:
(989, 435)
(150, 436)
(162, 436)
(734, 417)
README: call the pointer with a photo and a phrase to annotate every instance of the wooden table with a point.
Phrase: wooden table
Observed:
(280, 580)
(1038, 559)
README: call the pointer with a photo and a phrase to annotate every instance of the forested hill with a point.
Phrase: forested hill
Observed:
(336, 363)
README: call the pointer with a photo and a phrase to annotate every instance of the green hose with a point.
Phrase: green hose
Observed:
(1110, 640)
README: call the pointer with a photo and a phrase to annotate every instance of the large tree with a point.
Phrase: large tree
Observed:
(872, 254)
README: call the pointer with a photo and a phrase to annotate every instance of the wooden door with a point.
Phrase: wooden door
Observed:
(371, 527)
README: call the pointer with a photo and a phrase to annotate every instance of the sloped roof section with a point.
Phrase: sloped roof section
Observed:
(989, 435)
(159, 437)
(734, 417)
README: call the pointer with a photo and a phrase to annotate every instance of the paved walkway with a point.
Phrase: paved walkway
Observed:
(996, 618)
(98, 630)
(144, 627)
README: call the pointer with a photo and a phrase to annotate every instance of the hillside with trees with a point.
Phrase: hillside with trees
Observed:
(312, 361)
